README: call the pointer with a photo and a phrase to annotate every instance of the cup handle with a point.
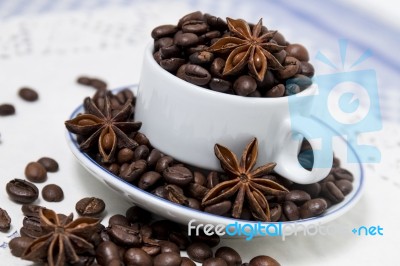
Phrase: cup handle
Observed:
(287, 160)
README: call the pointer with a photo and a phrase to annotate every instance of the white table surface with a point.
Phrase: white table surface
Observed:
(49, 51)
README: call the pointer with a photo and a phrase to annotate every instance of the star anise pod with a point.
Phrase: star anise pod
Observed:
(248, 184)
(65, 240)
(104, 128)
(249, 47)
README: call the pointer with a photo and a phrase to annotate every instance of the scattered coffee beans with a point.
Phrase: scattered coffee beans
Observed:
(90, 206)
(5, 221)
(49, 164)
(7, 109)
(22, 191)
(53, 193)
(28, 94)
(35, 172)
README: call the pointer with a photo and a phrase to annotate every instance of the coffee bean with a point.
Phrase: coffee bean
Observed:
(90, 206)
(136, 214)
(172, 64)
(201, 58)
(178, 175)
(279, 38)
(19, 244)
(244, 85)
(106, 252)
(263, 261)
(5, 221)
(124, 235)
(312, 189)
(193, 203)
(217, 67)
(275, 211)
(291, 210)
(199, 178)
(118, 219)
(185, 39)
(31, 210)
(167, 259)
(219, 208)
(157, 57)
(153, 157)
(175, 194)
(163, 163)
(187, 262)
(195, 26)
(141, 152)
(199, 251)
(7, 109)
(49, 164)
(332, 192)
(313, 208)
(28, 94)
(168, 246)
(341, 173)
(163, 42)
(22, 191)
(52, 193)
(137, 257)
(291, 67)
(297, 196)
(35, 172)
(220, 85)
(298, 51)
(216, 22)
(125, 155)
(215, 262)
(170, 51)
(276, 91)
(291, 89)
(151, 250)
(196, 75)
(148, 179)
(280, 56)
(31, 223)
(133, 171)
(229, 255)
(161, 192)
(344, 185)
(307, 69)
(197, 191)
(212, 179)
(301, 80)
(163, 31)
(197, 15)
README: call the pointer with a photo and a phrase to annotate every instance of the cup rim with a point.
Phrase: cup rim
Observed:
(309, 91)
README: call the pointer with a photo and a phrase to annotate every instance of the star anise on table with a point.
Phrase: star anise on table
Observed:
(247, 184)
(251, 47)
(65, 240)
(104, 128)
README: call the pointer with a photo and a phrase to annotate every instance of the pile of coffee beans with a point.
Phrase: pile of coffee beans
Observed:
(136, 239)
(183, 50)
(151, 170)
(25, 191)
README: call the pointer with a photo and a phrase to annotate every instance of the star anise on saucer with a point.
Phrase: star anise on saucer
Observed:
(65, 240)
(251, 47)
(247, 184)
(106, 128)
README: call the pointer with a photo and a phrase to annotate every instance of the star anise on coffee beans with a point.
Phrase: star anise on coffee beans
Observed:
(108, 129)
(64, 240)
(251, 47)
(247, 184)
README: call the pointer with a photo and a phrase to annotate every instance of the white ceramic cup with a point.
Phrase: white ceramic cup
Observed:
(186, 121)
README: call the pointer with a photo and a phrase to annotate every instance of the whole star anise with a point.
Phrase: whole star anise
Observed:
(64, 240)
(107, 129)
(246, 183)
(249, 47)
